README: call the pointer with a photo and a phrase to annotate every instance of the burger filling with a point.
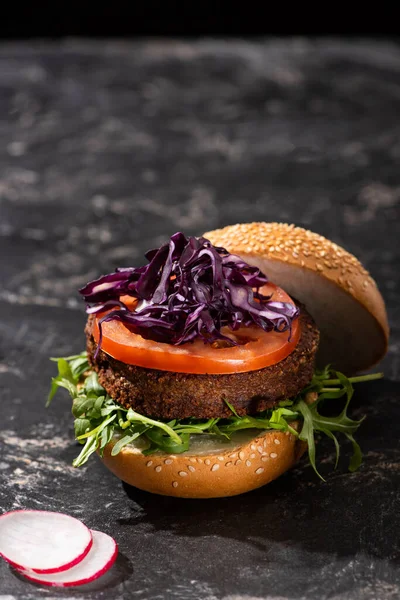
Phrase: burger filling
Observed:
(100, 420)
(171, 395)
(196, 346)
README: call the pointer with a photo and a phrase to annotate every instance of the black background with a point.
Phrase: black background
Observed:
(191, 20)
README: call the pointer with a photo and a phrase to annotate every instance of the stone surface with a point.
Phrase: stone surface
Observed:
(107, 148)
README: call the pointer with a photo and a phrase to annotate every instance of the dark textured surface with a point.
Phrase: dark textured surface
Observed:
(106, 150)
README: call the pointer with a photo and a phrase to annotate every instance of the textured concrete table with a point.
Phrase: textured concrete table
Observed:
(106, 150)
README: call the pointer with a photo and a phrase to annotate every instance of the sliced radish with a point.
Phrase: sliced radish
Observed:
(43, 541)
(100, 558)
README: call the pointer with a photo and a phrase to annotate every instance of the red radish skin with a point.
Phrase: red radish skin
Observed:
(33, 539)
(98, 561)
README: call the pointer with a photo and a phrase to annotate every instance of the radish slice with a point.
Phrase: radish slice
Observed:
(43, 541)
(100, 558)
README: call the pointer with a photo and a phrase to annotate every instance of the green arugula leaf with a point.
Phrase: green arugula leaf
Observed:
(64, 370)
(214, 429)
(195, 427)
(96, 430)
(285, 403)
(79, 365)
(356, 459)
(168, 444)
(88, 449)
(64, 383)
(65, 379)
(81, 426)
(105, 437)
(124, 441)
(307, 433)
(232, 408)
(356, 379)
(52, 392)
(135, 417)
(92, 385)
(333, 437)
(109, 408)
(328, 425)
(277, 414)
(82, 405)
(95, 411)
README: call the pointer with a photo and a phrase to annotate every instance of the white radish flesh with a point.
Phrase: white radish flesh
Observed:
(43, 541)
(100, 558)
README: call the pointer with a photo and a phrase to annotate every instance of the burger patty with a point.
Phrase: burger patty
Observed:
(171, 395)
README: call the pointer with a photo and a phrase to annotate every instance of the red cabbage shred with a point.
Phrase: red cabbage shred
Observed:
(189, 289)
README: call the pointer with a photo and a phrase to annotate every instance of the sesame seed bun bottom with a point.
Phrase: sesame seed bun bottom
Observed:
(208, 475)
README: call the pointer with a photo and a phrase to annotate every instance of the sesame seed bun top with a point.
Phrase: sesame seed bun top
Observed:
(337, 290)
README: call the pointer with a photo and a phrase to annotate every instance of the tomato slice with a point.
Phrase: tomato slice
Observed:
(257, 348)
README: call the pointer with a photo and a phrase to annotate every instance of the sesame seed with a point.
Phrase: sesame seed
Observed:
(259, 470)
(273, 455)
(276, 441)
(168, 461)
(242, 455)
(221, 458)
(207, 461)
(260, 449)
(199, 460)
(264, 458)
(174, 484)
(238, 462)
(234, 455)
(248, 463)
(215, 467)
(228, 464)
(191, 468)
(182, 473)
(252, 455)
(192, 460)
(149, 463)
(158, 469)
(253, 447)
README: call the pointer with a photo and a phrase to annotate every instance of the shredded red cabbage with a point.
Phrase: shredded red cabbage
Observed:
(189, 289)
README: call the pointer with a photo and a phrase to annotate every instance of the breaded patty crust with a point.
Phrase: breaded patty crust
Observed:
(171, 395)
